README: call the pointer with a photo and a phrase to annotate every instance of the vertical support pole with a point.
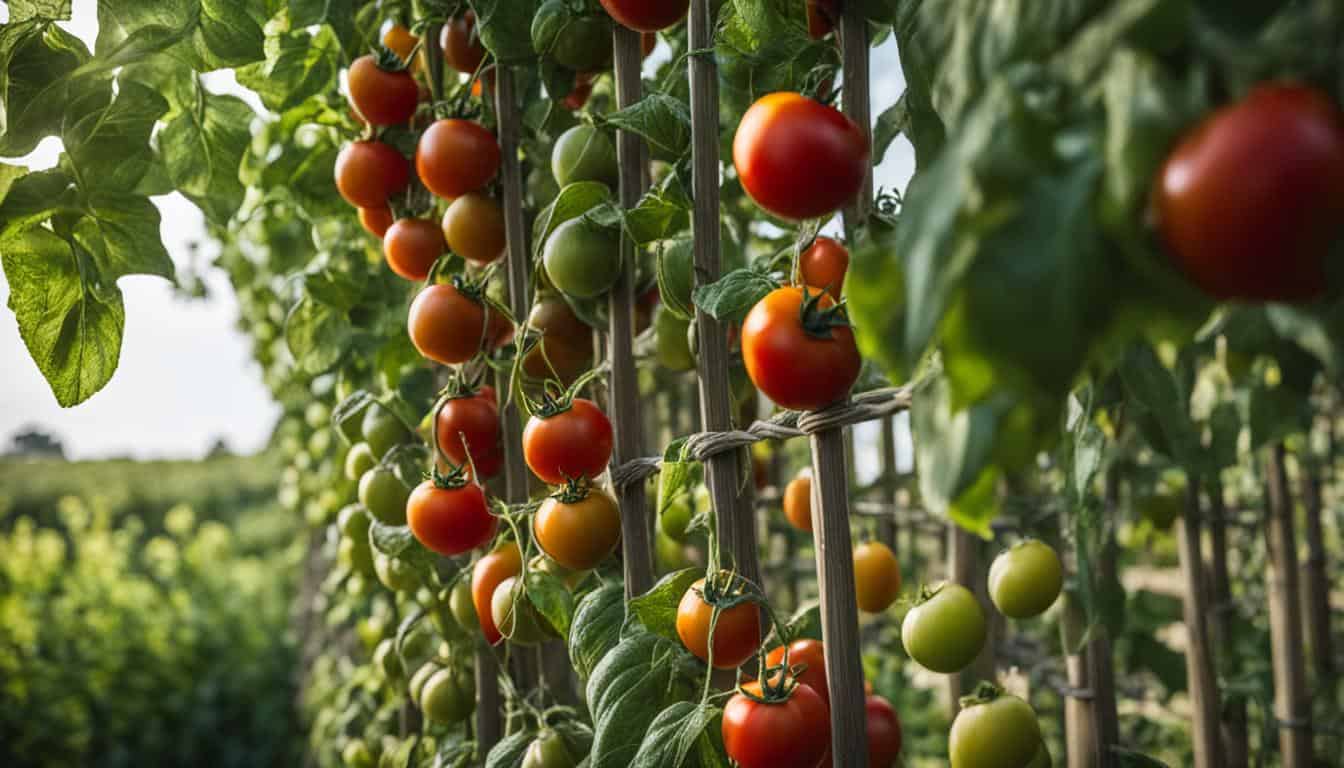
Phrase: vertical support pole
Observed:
(964, 568)
(1292, 710)
(830, 478)
(733, 510)
(1236, 748)
(1198, 662)
(623, 391)
(489, 721)
(1100, 658)
(886, 525)
(1080, 738)
(1316, 582)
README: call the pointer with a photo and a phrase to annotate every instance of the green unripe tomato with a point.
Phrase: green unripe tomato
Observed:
(578, 42)
(358, 460)
(382, 430)
(417, 685)
(395, 574)
(945, 632)
(384, 495)
(670, 554)
(357, 556)
(1002, 733)
(317, 414)
(673, 348)
(584, 153)
(462, 607)
(385, 658)
(419, 645)
(515, 616)
(353, 521)
(319, 442)
(449, 696)
(675, 518)
(548, 750)
(582, 259)
(1042, 758)
(542, 187)
(351, 424)
(1025, 580)
(356, 754)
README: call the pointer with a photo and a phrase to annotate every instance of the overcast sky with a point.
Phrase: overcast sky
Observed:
(186, 376)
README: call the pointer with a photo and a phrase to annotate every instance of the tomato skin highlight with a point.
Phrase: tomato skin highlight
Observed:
(376, 221)
(795, 733)
(574, 443)
(579, 535)
(491, 571)
(736, 636)
(808, 653)
(412, 246)
(446, 325)
(473, 226)
(474, 420)
(877, 577)
(450, 521)
(788, 365)
(455, 157)
(798, 501)
(647, 15)
(798, 158)
(381, 97)
(369, 172)
(1250, 201)
(462, 49)
(824, 264)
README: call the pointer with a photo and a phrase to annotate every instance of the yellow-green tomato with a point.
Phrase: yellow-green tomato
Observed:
(669, 553)
(395, 574)
(386, 659)
(461, 606)
(945, 632)
(676, 516)
(449, 696)
(673, 348)
(353, 520)
(356, 754)
(418, 680)
(584, 153)
(382, 429)
(384, 495)
(358, 460)
(1002, 733)
(1025, 580)
(515, 616)
(548, 750)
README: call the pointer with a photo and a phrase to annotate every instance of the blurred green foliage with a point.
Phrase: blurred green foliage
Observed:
(144, 615)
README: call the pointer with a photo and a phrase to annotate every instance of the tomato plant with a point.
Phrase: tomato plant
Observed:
(736, 636)
(491, 571)
(582, 259)
(571, 443)
(807, 662)
(994, 730)
(792, 330)
(448, 696)
(384, 495)
(447, 325)
(584, 153)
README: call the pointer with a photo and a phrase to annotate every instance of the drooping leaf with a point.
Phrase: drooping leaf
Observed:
(36, 60)
(634, 682)
(671, 739)
(207, 34)
(730, 297)
(318, 335)
(109, 148)
(298, 66)
(506, 28)
(596, 627)
(51, 10)
(663, 121)
(121, 233)
(551, 599)
(202, 148)
(657, 608)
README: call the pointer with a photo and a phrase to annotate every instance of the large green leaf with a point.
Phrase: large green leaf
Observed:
(206, 34)
(663, 121)
(506, 28)
(508, 753)
(121, 232)
(596, 627)
(657, 608)
(202, 148)
(673, 736)
(36, 60)
(51, 10)
(953, 450)
(298, 66)
(318, 335)
(72, 331)
(635, 681)
(109, 147)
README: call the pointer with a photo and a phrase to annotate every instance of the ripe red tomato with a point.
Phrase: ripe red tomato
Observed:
(455, 157)
(583, 88)
(884, 733)
(566, 341)
(450, 521)
(376, 220)
(797, 367)
(647, 15)
(379, 96)
(736, 636)
(369, 172)
(412, 246)
(1251, 200)
(578, 534)
(823, 265)
(798, 501)
(571, 444)
(472, 420)
(810, 655)
(795, 733)
(446, 325)
(798, 158)
(462, 48)
(474, 228)
(821, 17)
(491, 571)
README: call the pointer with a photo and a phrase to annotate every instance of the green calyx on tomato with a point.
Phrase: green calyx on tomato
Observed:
(820, 321)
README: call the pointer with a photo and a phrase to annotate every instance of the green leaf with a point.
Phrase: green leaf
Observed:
(733, 295)
(298, 66)
(676, 276)
(663, 121)
(596, 627)
(109, 148)
(506, 28)
(71, 331)
(51, 10)
(398, 541)
(551, 599)
(202, 149)
(634, 682)
(657, 608)
(679, 473)
(8, 175)
(318, 335)
(875, 294)
(1152, 387)
(339, 15)
(1275, 413)
(121, 232)
(36, 59)
(1128, 758)
(508, 753)
(953, 451)
(35, 197)
(673, 735)
(207, 34)
(804, 623)
(662, 212)
(573, 201)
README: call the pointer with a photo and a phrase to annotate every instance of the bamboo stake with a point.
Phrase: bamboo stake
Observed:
(734, 513)
(1316, 581)
(1199, 664)
(964, 568)
(1291, 707)
(886, 525)
(1236, 749)
(624, 382)
(1100, 658)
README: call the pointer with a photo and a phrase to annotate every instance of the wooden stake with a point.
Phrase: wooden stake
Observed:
(1236, 748)
(1315, 579)
(623, 390)
(1080, 737)
(489, 722)
(886, 525)
(1291, 706)
(1100, 658)
(1198, 662)
(964, 568)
